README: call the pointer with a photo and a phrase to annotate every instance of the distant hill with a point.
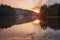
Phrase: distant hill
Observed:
(24, 16)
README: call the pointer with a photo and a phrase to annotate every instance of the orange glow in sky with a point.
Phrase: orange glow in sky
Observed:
(36, 9)
(24, 4)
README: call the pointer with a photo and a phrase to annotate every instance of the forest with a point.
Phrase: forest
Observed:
(12, 16)
(50, 15)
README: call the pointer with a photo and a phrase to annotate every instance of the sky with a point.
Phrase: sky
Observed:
(50, 2)
(28, 4)
(25, 4)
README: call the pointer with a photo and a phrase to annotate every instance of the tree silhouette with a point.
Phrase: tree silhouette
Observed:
(51, 16)
(12, 16)
(44, 16)
(7, 16)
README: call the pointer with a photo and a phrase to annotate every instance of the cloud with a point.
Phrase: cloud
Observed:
(50, 2)
(25, 4)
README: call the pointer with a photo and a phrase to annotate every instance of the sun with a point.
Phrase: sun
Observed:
(36, 9)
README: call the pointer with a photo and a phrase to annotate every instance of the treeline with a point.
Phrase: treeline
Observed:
(12, 16)
(7, 16)
(50, 16)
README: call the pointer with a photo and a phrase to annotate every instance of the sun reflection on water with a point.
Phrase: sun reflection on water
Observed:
(36, 22)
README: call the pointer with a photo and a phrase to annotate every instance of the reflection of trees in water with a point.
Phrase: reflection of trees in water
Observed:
(7, 16)
(10, 16)
(51, 16)
(23, 16)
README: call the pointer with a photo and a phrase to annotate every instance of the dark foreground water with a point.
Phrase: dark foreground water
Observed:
(29, 31)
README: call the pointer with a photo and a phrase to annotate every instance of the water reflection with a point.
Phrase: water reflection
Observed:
(29, 31)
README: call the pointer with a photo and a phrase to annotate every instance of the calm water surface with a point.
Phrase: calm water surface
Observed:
(29, 31)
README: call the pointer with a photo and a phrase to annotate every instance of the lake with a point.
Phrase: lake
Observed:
(29, 31)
